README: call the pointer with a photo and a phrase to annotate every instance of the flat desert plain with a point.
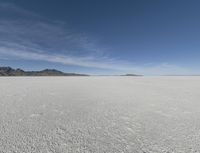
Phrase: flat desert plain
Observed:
(100, 114)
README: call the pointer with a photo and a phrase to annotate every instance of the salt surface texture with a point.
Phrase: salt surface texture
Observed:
(100, 114)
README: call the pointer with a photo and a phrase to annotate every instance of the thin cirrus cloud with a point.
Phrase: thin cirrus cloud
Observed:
(50, 40)
(33, 54)
(32, 37)
(40, 41)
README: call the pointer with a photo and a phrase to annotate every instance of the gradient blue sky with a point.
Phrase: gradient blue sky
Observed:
(150, 37)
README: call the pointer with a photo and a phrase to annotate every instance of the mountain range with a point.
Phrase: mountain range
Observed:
(8, 71)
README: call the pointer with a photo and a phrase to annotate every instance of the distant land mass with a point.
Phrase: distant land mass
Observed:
(8, 71)
(131, 75)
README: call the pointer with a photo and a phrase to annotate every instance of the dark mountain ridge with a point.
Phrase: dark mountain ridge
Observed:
(8, 71)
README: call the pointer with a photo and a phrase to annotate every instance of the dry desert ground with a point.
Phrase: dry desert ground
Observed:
(100, 114)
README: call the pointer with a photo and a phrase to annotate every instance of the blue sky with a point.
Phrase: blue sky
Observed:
(101, 36)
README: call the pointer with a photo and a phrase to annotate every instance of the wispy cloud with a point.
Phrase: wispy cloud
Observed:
(23, 52)
(46, 37)
(8, 7)
(32, 37)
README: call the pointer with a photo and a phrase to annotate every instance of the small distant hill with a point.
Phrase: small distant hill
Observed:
(8, 71)
(131, 75)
